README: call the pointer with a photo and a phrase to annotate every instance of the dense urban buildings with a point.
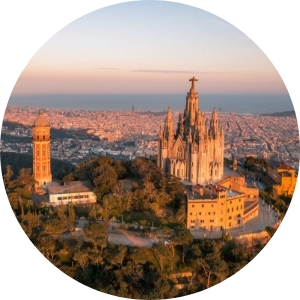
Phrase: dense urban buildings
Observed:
(194, 152)
(77, 134)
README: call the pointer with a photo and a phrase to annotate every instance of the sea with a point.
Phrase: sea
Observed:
(156, 102)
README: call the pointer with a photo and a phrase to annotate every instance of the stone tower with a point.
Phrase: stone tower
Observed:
(41, 151)
(195, 151)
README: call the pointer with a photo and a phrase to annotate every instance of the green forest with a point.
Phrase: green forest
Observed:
(131, 272)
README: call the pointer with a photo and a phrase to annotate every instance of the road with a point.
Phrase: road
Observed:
(267, 216)
(116, 236)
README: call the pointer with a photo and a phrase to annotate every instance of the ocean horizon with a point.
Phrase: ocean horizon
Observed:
(155, 102)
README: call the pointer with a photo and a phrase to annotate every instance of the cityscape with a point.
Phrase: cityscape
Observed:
(149, 150)
(134, 134)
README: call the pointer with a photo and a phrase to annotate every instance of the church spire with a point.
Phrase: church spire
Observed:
(193, 83)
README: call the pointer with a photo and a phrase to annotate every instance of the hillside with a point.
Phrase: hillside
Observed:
(19, 161)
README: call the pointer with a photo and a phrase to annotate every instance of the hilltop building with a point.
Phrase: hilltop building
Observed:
(217, 197)
(285, 179)
(195, 151)
(73, 191)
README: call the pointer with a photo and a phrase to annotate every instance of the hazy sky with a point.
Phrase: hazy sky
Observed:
(149, 47)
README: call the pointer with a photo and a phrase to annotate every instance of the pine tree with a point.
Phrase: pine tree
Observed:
(71, 217)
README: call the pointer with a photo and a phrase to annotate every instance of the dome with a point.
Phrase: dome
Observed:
(41, 121)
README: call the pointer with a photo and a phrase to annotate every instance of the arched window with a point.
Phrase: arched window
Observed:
(44, 137)
(179, 152)
(37, 137)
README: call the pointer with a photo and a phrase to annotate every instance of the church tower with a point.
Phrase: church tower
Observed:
(195, 150)
(41, 151)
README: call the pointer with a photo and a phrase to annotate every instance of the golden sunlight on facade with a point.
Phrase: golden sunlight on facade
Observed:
(55, 192)
(217, 197)
(285, 178)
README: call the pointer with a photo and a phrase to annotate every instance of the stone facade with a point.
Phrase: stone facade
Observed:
(195, 151)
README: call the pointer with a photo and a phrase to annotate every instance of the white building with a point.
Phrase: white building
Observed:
(77, 192)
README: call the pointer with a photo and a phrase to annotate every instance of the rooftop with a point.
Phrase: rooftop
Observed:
(72, 187)
(230, 172)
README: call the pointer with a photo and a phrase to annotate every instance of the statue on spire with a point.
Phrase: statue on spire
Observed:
(193, 82)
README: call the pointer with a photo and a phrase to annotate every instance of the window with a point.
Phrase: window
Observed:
(214, 213)
(38, 168)
(237, 208)
(191, 214)
(229, 224)
(212, 205)
(230, 202)
(37, 137)
(202, 205)
(44, 168)
(239, 221)
(230, 218)
(241, 206)
(44, 153)
(193, 205)
(221, 220)
(59, 198)
(228, 210)
(209, 213)
(44, 137)
(38, 153)
(232, 209)
(239, 200)
(200, 213)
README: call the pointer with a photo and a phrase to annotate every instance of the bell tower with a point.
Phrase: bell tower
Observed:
(41, 151)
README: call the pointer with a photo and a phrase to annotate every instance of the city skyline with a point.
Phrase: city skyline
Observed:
(149, 47)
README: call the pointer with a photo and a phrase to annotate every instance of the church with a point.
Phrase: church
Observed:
(195, 150)
(218, 197)
(56, 192)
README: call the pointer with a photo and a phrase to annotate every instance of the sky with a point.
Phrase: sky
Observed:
(149, 47)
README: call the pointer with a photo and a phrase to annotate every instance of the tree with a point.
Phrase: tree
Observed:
(115, 255)
(212, 264)
(82, 258)
(105, 181)
(55, 226)
(93, 213)
(120, 169)
(69, 177)
(25, 177)
(126, 201)
(181, 236)
(47, 246)
(162, 253)
(71, 217)
(7, 176)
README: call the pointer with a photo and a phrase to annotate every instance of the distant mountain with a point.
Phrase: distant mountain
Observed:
(19, 161)
(290, 113)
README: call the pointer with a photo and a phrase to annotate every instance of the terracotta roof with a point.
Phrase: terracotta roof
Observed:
(72, 187)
